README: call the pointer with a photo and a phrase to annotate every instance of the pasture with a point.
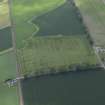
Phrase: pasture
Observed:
(23, 11)
(7, 66)
(5, 38)
(4, 14)
(41, 54)
(8, 96)
(93, 12)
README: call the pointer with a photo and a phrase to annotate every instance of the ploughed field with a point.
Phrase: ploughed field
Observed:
(74, 88)
(5, 38)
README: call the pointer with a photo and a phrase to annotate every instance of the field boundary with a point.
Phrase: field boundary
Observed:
(8, 25)
(6, 51)
(36, 16)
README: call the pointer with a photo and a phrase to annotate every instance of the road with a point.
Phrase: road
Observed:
(18, 64)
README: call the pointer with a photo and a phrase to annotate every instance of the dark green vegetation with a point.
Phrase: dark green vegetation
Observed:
(5, 38)
(74, 88)
(63, 20)
(40, 54)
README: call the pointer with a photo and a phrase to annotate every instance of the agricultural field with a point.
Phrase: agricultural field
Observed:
(93, 12)
(4, 14)
(23, 11)
(7, 66)
(40, 54)
(5, 38)
(5, 28)
(8, 96)
(48, 48)
(50, 37)
(63, 20)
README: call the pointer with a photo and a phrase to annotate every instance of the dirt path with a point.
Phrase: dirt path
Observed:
(18, 65)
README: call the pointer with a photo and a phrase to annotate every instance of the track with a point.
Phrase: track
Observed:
(18, 64)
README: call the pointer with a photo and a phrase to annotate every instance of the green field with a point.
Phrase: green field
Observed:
(23, 11)
(5, 38)
(93, 12)
(8, 96)
(4, 13)
(59, 43)
(41, 54)
(7, 66)
(46, 52)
